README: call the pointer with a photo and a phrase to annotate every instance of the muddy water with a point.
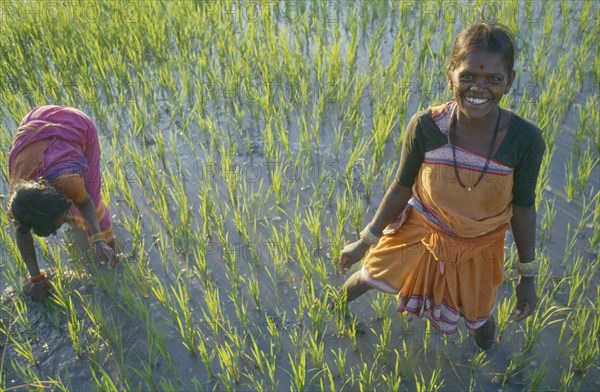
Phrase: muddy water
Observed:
(52, 346)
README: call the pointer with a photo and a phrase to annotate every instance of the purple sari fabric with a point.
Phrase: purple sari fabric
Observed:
(72, 147)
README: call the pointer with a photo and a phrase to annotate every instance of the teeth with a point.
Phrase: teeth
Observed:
(476, 101)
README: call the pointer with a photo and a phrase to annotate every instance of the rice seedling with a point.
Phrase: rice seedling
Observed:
(266, 363)
(214, 317)
(382, 306)
(274, 332)
(185, 324)
(173, 107)
(356, 218)
(567, 381)
(145, 373)
(22, 345)
(274, 283)
(316, 350)
(585, 168)
(335, 240)
(434, 383)
(537, 377)
(479, 361)
(576, 274)
(75, 328)
(298, 372)
(103, 380)
(427, 335)
(384, 120)
(316, 310)
(542, 318)
(570, 181)
(516, 366)
(326, 376)
(367, 377)
(544, 275)
(313, 224)
(383, 347)
(409, 356)
(367, 176)
(340, 358)
(306, 268)
(393, 379)
(254, 290)
(548, 217)
(155, 342)
(594, 239)
(230, 363)
(570, 244)
(32, 380)
(587, 349)
(352, 332)
(241, 308)
(206, 355)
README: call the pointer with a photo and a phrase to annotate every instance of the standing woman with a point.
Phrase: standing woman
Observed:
(54, 174)
(468, 169)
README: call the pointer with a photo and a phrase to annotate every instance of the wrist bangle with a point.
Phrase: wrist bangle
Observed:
(369, 236)
(38, 278)
(528, 269)
(96, 237)
(376, 233)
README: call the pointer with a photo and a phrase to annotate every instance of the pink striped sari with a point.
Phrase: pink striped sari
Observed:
(72, 148)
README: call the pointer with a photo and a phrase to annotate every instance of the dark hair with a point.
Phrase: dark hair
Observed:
(484, 35)
(37, 205)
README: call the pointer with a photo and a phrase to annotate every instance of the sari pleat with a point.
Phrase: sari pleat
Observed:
(444, 255)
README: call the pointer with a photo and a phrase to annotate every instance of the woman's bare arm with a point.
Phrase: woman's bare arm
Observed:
(393, 202)
(88, 213)
(27, 250)
(102, 250)
(523, 229)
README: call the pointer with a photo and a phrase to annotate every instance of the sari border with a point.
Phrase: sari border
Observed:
(443, 317)
(379, 284)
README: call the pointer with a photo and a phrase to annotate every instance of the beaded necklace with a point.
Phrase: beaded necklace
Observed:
(489, 156)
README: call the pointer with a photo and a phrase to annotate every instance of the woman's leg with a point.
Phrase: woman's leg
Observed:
(485, 335)
(355, 287)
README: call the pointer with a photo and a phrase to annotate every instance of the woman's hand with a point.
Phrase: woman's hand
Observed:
(352, 254)
(391, 206)
(40, 290)
(526, 299)
(105, 254)
(523, 228)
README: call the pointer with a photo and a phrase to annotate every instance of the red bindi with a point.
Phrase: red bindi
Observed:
(481, 66)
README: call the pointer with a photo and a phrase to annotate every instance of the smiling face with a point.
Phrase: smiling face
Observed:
(479, 82)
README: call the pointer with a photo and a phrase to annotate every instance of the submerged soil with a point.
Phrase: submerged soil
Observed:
(54, 351)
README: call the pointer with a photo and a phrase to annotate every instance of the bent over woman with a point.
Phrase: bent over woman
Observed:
(54, 174)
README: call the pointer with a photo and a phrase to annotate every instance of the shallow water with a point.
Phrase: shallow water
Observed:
(49, 337)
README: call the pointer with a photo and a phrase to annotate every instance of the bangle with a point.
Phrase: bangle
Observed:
(96, 237)
(38, 278)
(528, 269)
(369, 235)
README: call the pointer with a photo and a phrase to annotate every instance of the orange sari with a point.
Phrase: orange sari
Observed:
(444, 255)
